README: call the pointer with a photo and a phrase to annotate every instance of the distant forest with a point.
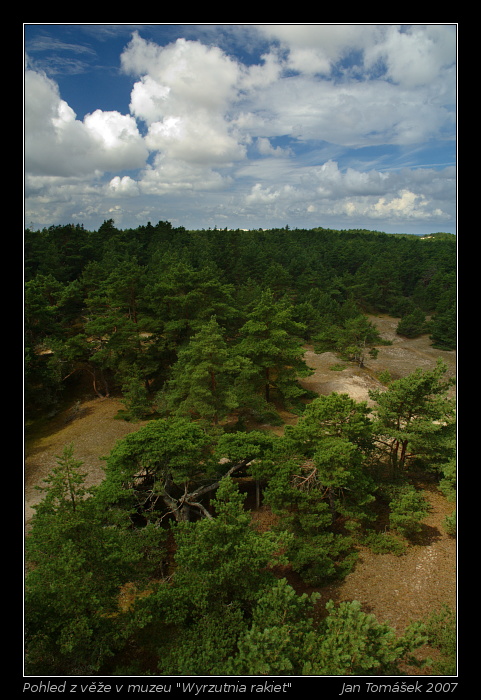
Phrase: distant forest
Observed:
(118, 306)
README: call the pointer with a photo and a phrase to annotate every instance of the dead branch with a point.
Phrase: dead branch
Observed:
(304, 482)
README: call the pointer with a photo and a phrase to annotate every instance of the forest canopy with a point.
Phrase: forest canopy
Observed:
(132, 309)
(159, 570)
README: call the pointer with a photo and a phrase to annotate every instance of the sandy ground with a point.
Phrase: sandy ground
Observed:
(396, 589)
(400, 358)
(93, 434)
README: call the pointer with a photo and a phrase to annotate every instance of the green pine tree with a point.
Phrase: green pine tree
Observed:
(270, 339)
(77, 560)
(414, 415)
(412, 324)
(204, 377)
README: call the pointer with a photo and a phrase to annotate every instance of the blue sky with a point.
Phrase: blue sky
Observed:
(241, 125)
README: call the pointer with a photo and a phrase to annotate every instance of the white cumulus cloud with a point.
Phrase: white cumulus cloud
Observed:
(416, 55)
(184, 94)
(123, 187)
(58, 144)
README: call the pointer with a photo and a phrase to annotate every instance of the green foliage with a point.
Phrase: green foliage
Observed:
(408, 509)
(385, 377)
(384, 543)
(322, 558)
(260, 626)
(335, 432)
(221, 566)
(171, 444)
(378, 283)
(203, 380)
(236, 447)
(444, 329)
(356, 338)
(284, 640)
(170, 466)
(77, 563)
(450, 524)
(355, 643)
(338, 367)
(65, 489)
(205, 645)
(270, 340)
(185, 298)
(415, 414)
(42, 294)
(135, 396)
(214, 322)
(332, 416)
(220, 612)
(274, 643)
(43, 382)
(441, 633)
(447, 483)
(222, 559)
(413, 324)
(158, 463)
(315, 552)
(318, 472)
(111, 287)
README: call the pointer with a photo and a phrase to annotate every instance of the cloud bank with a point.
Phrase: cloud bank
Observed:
(324, 128)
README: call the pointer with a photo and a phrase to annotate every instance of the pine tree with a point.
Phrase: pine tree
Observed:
(203, 379)
(412, 324)
(285, 640)
(444, 329)
(407, 510)
(77, 561)
(221, 565)
(353, 340)
(270, 339)
(414, 415)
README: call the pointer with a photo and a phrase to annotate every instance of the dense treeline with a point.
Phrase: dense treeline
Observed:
(120, 305)
(159, 569)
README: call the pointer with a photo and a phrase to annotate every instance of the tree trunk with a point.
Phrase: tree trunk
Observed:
(183, 513)
(180, 511)
(94, 384)
(181, 508)
(402, 459)
(394, 456)
(106, 386)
